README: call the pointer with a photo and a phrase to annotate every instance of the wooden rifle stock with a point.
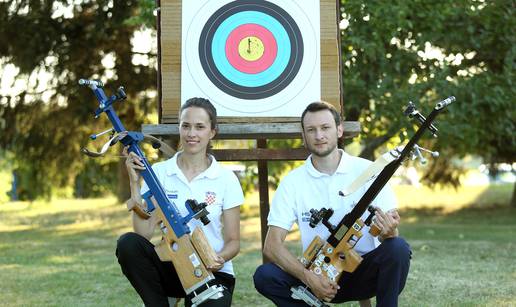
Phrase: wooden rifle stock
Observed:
(190, 255)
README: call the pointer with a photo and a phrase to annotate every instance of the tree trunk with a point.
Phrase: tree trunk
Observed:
(371, 146)
(513, 200)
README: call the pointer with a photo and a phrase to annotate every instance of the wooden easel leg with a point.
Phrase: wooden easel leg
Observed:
(263, 189)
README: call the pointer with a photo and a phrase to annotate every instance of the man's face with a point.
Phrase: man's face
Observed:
(320, 133)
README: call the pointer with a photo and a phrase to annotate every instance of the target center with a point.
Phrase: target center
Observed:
(251, 48)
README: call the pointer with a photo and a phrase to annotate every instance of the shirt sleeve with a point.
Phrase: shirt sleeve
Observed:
(234, 196)
(282, 211)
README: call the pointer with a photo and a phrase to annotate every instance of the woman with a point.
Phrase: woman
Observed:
(191, 173)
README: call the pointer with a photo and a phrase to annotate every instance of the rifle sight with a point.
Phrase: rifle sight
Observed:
(199, 210)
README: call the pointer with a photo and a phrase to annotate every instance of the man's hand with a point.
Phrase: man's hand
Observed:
(275, 250)
(388, 222)
(321, 286)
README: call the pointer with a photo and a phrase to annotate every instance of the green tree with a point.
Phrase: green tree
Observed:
(392, 52)
(47, 122)
(424, 51)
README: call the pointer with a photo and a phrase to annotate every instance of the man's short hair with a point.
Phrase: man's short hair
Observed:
(320, 106)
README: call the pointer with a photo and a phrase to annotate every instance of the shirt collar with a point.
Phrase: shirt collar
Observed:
(211, 172)
(344, 166)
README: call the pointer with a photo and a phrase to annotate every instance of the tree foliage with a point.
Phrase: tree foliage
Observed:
(46, 124)
(392, 52)
(424, 51)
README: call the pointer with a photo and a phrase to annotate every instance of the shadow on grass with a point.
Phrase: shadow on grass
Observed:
(67, 258)
(49, 238)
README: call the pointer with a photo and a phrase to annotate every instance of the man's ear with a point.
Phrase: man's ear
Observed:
(213, 133)
(340, 130)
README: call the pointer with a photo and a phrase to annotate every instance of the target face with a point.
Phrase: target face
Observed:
(250, 57)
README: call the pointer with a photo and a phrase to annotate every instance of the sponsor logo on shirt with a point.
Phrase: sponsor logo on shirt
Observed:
(210, 198)
(305, 217)
(172, 194)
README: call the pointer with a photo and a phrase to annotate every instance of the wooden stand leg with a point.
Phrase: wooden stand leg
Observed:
(263, 188)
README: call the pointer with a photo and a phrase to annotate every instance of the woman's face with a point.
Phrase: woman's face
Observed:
(195, 130)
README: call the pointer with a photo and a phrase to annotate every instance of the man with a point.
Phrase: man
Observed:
(316, 184)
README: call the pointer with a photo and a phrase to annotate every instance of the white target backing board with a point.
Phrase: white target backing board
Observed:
(251, 58)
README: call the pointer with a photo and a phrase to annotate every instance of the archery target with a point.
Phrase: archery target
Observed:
(251, 57)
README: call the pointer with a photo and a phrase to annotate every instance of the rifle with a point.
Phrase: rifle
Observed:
(189, 253)
(335, 255)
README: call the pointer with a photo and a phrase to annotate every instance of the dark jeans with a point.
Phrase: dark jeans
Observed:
(155, 280)
(382, 273)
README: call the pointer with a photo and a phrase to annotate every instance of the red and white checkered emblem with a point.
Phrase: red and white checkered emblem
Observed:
(210, 198)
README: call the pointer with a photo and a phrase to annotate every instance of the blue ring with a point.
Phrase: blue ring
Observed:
(236, 76)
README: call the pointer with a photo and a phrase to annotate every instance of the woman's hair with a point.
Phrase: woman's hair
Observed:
(204, 104)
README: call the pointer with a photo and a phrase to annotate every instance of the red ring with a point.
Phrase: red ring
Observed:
(243, 65)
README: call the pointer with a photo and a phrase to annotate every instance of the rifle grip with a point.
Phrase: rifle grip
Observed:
(134, 206)
(203, 248)
(162, 251)
(374, 230)
(185, 259)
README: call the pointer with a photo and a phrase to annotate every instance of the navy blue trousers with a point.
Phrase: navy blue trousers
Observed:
(382, 273)
(156, 280)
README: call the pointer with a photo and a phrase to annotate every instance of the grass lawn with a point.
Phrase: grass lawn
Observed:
(62, 253)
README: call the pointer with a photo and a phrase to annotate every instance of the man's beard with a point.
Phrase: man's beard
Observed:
(321, 153)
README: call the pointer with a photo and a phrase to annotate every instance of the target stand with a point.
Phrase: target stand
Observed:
(259, 62)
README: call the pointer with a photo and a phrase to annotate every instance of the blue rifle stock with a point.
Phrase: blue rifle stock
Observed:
(189, 252)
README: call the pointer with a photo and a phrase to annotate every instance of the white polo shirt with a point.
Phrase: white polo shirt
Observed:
(306, 188)
(217, 186)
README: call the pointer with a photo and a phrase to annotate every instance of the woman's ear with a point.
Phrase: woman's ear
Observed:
(213, 133)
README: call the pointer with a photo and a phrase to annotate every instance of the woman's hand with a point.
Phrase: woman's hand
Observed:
(219, 263)
(134, 164)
